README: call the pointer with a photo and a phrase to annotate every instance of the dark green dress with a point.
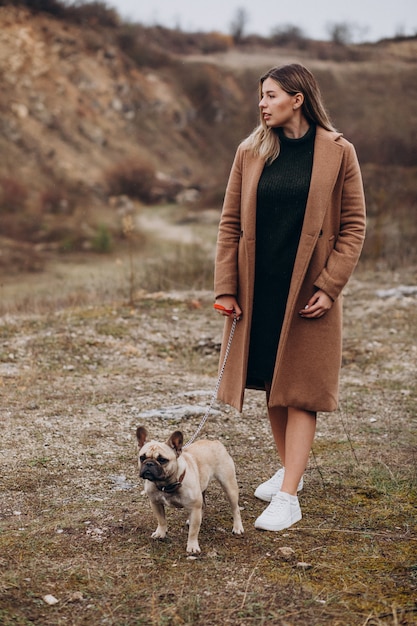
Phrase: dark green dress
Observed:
(281, 201)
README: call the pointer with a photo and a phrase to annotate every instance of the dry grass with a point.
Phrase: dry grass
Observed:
(75, 384)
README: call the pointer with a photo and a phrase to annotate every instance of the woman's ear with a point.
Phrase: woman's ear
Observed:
(298, 100)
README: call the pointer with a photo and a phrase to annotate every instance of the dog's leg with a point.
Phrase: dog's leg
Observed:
(231, 489)
(194, 520)
(159, 512)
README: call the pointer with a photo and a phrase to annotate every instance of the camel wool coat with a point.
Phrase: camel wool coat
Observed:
(307, 366)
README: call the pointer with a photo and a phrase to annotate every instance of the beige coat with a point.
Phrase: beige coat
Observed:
(307, 367)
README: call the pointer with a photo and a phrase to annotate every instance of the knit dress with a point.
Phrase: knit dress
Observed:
(281, 201)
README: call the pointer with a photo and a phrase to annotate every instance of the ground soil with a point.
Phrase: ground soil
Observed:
(78, 377)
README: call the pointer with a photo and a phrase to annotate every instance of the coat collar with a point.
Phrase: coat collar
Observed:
(328, 154)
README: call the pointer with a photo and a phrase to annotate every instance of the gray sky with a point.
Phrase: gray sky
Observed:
(372, 19)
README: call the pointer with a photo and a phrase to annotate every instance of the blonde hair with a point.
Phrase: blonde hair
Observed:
(293, 79)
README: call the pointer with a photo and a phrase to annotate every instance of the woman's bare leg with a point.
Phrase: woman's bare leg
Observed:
(299, 437)
(278, 416)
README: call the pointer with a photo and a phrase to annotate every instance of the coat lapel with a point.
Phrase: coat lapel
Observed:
(326, 167)
(249, 194)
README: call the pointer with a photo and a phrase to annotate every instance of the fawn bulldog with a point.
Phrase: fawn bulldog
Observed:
(179, 478)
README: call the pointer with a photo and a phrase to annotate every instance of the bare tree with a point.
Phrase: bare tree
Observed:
(344, 33)
(238, 24)
(287, 35)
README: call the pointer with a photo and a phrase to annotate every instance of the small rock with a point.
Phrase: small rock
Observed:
(304, 565)
(50, 599)
(20, 110)
(77, 596)
(286, 551)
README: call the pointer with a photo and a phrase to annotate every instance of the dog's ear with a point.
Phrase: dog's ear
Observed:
(175, 441)
(141, 434)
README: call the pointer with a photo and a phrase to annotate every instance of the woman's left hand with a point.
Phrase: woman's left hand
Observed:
(317, 306)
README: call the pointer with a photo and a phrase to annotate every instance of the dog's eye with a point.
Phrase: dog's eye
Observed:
(162, 460)
(142, 458)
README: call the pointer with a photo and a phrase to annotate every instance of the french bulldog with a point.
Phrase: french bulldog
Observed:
(179, 477)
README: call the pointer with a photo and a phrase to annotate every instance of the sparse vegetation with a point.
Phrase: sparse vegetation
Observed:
(76, 526)
(133, 178)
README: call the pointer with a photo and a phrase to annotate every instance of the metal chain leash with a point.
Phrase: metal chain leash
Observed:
(216, 389)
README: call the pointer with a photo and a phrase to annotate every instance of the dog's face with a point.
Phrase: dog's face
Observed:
(158, 461)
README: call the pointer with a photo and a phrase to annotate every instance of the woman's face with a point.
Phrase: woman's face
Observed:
(276, 105)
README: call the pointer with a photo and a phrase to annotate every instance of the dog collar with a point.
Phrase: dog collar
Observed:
(172, 487)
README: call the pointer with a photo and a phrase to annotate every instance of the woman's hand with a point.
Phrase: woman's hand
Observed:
(317, 306)
(230, 304)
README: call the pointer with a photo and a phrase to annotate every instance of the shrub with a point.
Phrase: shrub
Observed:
(288, 35)
(93, 14)
(102, 241)
(132, 178)
(55, 7)
(133, 42)
(81, 12)
(52, 200)
(13, 195)
(215, 42)
(17, 220)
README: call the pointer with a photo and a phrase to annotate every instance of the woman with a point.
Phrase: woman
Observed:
(290, 235)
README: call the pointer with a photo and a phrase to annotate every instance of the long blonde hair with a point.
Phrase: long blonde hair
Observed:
(293, 78)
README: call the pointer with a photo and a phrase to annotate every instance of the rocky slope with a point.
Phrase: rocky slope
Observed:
(81, 101)
(71, 102)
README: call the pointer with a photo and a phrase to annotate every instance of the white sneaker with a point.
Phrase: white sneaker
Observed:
(283, 511)
(270, 487)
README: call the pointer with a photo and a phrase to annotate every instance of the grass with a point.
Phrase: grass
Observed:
(75, 525)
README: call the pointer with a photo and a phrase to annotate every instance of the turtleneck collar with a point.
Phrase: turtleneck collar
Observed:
(289, 140)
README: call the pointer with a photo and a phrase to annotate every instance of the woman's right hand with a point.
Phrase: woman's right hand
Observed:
(230, 304)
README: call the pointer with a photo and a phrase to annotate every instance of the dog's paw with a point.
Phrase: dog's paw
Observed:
(238, 530)
(193, 547)
(159, 534)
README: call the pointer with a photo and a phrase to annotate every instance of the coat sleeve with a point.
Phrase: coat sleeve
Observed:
(226, 263)
(349, 241)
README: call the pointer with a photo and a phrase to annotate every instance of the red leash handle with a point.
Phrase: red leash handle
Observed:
(220, 307)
